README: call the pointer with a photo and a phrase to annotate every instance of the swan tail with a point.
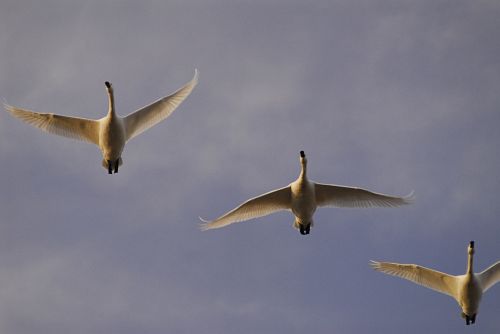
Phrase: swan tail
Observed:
(105, 163)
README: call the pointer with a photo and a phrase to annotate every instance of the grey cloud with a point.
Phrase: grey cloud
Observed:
(387, 95)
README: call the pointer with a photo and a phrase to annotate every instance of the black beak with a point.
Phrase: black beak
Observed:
(471, 244)
(302, 154)
(107, 84)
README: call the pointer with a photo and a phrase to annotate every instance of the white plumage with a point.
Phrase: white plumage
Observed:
(466, 289)
(111, 132)
(303, 197)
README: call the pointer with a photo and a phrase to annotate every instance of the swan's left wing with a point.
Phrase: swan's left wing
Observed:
(72, 127)
(490, 276)
(429, 278)
(150, 115)
(259, 206)
(342, 196)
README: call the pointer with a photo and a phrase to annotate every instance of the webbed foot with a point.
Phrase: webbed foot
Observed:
(304, 230)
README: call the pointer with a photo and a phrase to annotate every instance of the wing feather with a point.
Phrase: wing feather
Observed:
(150, 115)
(429, 278)
(342, 196)
(490, 276)
(262, 205)
(71, 127)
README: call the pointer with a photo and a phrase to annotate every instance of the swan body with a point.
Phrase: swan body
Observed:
(302, 197)
(111, 132)
(466, 289)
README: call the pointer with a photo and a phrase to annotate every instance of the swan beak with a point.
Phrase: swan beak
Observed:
(471, 244)
(302, 154)
(108, 85)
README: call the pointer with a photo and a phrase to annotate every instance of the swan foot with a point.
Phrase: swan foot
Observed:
(110, 168)
(117, 163)
(469, 319)
(466, 317)
(304, 230)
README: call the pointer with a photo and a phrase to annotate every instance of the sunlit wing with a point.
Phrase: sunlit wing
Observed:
(490, 276)
(150, 115)
(429, 278)
(71, 127)
(263, 205)
(341, 196)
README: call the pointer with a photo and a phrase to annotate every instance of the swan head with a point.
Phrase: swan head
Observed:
(303, 159)
(470, 249)
(109, 87)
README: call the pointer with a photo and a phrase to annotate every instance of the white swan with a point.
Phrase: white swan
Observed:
(302, 197)
(466, 289)
(111, 132)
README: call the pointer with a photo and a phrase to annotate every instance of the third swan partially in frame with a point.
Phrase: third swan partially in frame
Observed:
(466, 289)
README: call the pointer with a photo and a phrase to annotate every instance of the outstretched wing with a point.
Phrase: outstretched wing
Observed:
(490, 276)
(150, 115)
(429, 278)
(71, 127)
(262, 205)
(341, 196)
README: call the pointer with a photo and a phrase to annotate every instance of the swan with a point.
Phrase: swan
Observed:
(466, 289)
(303, 197)
(111, 132)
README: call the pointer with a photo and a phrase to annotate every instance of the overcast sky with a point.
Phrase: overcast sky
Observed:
(392, 96)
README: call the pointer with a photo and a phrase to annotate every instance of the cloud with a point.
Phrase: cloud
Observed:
(388, 96)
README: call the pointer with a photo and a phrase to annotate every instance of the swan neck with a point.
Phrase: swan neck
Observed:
(111, 105)
(470, 261)
(303, 171)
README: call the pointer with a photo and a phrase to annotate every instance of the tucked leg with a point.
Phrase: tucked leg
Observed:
(308, 229)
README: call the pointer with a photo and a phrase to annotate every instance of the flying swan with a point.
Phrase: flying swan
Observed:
(303, 197)
(466, 289)
(111, 132)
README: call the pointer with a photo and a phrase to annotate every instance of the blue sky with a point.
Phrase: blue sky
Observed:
(392, 96)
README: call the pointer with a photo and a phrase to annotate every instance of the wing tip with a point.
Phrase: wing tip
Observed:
(195, 77)
(375, 265)
(7, 106)
(204, 225)
(410, 198)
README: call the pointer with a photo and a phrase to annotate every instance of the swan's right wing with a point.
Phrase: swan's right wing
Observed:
(263, 205)
(341, 196)
(490, 276)
(429, 278)
(150, 115)
(71, 127)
